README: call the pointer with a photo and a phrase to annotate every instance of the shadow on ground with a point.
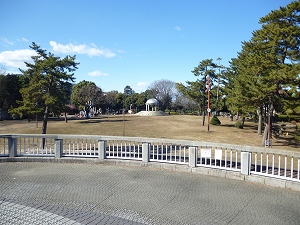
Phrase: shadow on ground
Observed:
(101, 121)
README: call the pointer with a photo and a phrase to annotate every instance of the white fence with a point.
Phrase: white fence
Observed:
(266, 162)
(219, 157)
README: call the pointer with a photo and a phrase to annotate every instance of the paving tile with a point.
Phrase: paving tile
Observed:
(84, 193)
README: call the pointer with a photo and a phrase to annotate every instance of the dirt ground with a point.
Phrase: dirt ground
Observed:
(180, 127)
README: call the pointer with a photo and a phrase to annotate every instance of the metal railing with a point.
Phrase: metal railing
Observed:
(266, 162)
(277, 165)
(219, 157)
(170, 153)
(124, 150)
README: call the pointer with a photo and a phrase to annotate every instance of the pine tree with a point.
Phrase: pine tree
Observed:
(206, 68)
(268, 64)
(49, 84)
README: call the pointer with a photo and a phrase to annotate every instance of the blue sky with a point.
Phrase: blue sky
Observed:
(129, 42)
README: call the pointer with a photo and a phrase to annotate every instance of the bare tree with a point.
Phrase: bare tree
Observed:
(164, 91)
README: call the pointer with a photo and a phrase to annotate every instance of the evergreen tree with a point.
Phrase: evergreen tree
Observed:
(86, 91)
(10, 86)
(49, 84)
(268, 64)
(193, 90)
(206, 68)
(128, 91)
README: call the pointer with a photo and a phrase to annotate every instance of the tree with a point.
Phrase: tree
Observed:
(86, 91)
(136, 101)
(193, 90)
(164, 91)
(220, 83)
(128, 91)
(110, 101)
(268, 64)
(141, 101)
(197, 90)
(10, 86)
(49, 84)
(120, 99)
(182, 104)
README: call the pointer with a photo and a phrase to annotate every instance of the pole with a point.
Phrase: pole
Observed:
(203, 106)
(217, 105)
(208, 85)
(208, 109)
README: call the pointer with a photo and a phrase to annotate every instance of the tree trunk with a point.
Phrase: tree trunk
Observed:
(259, 128)
(45, 121)
(265, 135)
(270, 120)
(237, 116)
(203, 118)
(243, 121)
(66, 119)
(44, 129)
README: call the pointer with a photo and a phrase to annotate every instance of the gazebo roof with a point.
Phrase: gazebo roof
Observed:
(152, 101)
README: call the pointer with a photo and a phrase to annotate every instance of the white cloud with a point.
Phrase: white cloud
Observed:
(6, 41)
(178, 28)
(141, 86)
(97, 73)
(121, 51)
(81, 49)
(23, 39)
(16, 58)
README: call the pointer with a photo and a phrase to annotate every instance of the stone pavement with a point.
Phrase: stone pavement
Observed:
(73, 193)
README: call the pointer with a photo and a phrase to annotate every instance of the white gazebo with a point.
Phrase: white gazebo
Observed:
(152, 104)
(151, 109)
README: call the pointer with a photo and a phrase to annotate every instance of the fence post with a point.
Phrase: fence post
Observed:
(12, 147)
(101, 150)
(58, 148)
(145, 152)
(192, 156)
(245, 163)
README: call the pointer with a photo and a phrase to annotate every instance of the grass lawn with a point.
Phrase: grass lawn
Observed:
(180, 127)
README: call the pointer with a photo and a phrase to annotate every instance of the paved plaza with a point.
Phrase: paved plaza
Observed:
(74, 193)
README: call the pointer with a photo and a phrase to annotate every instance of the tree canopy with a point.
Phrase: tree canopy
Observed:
(10, 86)
(164, 91)
(49, 84)
(267, 69)
(86, 91)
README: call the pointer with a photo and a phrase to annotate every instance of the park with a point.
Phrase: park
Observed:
(223, 148)
(125, 169)
(180, 127)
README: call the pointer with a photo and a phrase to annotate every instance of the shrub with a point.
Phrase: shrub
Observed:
(215, 121)
(289, 111)
(172, 113)
(286, 118)
(239, 124)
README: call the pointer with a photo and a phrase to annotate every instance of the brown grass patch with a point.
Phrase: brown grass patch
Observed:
(180, 127)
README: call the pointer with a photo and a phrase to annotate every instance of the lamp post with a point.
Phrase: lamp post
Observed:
(208, 86)
(217, 105)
